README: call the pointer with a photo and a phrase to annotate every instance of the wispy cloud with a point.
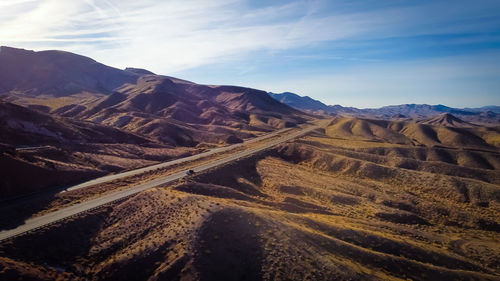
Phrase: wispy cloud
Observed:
(177, 36)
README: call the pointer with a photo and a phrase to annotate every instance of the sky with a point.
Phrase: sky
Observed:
(367, 53)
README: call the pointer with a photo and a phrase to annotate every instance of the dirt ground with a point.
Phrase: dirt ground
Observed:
(318, 208)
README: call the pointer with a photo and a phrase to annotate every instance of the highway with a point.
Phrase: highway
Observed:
(173, 162)
(37, 222)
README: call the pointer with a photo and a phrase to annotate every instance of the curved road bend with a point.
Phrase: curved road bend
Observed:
(37, 222)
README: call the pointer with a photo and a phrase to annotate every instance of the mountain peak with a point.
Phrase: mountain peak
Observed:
(447, 120)
(299, 102)
(57, 73)
(449, 116)
(140, 71)
(7, 48)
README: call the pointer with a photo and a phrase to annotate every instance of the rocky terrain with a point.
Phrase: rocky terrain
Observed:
(359, 199)
(66, 118)
(168, 109)
(56, 151)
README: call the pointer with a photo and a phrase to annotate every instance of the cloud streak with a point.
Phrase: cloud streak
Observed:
(176, 36)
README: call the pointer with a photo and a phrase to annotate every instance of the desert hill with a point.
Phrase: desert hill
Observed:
(57, 73)
(412, 195)
(21, 126)
(444, 131)
(317, 208)
(447, 120)
(184, 113)
(164, 108)
(56, 151)
(61, 112)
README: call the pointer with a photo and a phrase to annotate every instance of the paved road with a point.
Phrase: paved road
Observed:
(32, 147)
(37, 222)
(173, 162)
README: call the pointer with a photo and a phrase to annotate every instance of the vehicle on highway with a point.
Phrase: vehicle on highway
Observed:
(35, 223)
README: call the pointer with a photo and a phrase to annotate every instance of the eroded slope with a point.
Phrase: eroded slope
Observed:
(318, 208)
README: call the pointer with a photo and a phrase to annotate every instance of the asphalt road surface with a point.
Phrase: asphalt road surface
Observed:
(173, 162)
(37, 222)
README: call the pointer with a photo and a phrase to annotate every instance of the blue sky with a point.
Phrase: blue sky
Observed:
(354, 53)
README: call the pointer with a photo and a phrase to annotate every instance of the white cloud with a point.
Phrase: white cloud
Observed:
(173, 36)
(169, 36)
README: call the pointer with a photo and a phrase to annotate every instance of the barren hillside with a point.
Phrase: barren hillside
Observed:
(67, 118)
(167, 109)
(318, 208)
(444, 131)
(39, 151)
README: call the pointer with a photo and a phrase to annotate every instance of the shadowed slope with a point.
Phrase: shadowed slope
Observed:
(57, 73)
(165, 108)
(447, 120)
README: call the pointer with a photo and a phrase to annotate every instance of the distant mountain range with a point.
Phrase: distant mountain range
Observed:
(486, 114)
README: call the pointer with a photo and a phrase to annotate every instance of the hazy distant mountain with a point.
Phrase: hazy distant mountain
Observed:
(486, 114)
(309, 104)
(418, 110)
(298, 102)
(492, 108)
